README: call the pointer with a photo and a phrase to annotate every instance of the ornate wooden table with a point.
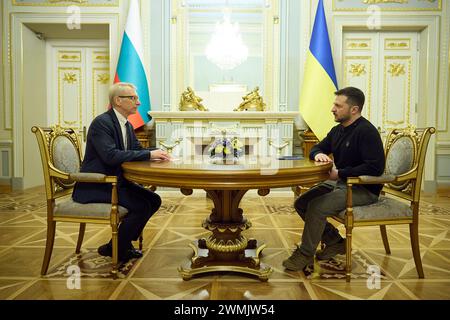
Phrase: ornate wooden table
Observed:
(226, 249)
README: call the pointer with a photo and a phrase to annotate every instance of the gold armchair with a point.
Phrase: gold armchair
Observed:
(405, 152)
(61, 160)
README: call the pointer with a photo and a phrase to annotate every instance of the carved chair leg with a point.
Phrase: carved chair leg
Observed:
(348, 254)
(51, 226)
(80, 237)
(385, 239)
(414, 234)
(115, 251)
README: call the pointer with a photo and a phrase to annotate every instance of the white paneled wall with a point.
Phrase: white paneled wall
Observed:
(78, 83)
(5, 161)
(384, 65)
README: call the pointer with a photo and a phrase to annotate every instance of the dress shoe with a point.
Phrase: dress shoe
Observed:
(105, 250)
(135, 253)
(130, 254)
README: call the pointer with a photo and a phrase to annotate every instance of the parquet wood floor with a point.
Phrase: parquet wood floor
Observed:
(168, 233)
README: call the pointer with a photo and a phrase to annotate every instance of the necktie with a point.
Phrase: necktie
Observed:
(127, 141)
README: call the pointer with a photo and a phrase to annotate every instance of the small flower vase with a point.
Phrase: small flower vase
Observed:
(225, 151)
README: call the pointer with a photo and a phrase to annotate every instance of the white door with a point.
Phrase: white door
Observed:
(78, 82)
(385, 66)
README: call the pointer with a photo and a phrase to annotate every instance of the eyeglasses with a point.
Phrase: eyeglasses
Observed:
(132, 98)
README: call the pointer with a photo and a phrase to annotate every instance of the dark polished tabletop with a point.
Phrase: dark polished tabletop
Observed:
(248, 173)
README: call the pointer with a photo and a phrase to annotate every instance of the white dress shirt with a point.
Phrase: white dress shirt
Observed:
(122, 122)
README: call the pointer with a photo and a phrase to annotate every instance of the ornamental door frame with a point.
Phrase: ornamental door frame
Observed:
(14, 77)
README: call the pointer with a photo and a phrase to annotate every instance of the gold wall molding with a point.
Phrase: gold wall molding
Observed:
(384, 1)
(6, 54)
(368, 75)
(65, 3)
(354, 45)
(386, 5)
(69, 56)
(70, 73)
(72, 1)
(102, 58)
(100, 77)
(358, 44)
(397, 44)
(397, 68)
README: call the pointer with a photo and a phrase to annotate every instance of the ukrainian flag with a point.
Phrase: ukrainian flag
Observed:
(130, 67)
(319, 81)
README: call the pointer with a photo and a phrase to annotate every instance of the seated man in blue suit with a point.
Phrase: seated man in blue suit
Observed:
(110, 142)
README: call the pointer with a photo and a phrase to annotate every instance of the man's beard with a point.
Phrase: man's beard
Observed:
(342, 119)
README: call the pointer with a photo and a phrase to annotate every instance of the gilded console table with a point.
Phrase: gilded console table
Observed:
(226, 249)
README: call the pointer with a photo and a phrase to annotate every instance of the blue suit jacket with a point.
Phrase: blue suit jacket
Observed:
(105, 154)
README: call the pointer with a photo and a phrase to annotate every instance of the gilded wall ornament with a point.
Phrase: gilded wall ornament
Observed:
(70, 77)
(103, 78)
(396, 69)
(357, 69)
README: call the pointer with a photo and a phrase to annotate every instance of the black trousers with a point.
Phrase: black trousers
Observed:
(141, 204)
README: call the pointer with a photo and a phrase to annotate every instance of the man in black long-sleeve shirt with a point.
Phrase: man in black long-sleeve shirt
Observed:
(357, 150)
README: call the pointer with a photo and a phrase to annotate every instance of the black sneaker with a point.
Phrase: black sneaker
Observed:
(331, 251)
(298, 261)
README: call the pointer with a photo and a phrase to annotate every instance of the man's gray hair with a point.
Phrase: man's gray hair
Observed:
(118, 89)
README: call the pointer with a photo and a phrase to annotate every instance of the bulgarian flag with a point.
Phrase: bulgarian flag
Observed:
(130, 67)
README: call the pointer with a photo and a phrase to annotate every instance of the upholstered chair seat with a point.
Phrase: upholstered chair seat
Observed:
(70, 208)
(385, 209)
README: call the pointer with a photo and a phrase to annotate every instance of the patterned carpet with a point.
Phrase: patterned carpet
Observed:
(90, 264)
(335, 268)
(425, 209)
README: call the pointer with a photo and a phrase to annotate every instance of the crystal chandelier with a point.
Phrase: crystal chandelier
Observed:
(226, 49)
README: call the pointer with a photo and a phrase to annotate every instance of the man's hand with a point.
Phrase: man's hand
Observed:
(334, 174)
(159, 154)
(322, 157)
